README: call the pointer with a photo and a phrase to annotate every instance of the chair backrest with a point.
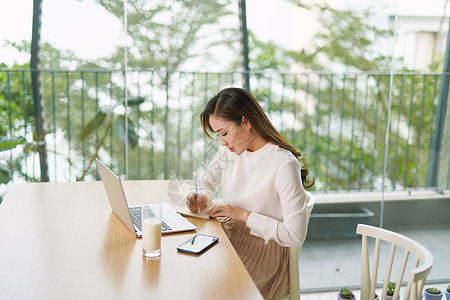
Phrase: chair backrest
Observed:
(294, 275)
(416, 275)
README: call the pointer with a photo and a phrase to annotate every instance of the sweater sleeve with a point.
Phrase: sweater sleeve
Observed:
(291, 231)
(212, 177)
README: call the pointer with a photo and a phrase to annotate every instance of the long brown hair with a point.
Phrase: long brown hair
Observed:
(234, 103)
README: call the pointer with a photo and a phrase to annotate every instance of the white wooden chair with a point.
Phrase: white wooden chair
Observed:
(294, 275)
(416, 275)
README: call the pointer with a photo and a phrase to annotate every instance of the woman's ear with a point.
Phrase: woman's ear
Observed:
(246, 122)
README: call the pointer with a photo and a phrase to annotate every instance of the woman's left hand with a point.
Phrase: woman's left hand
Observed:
(229, 211)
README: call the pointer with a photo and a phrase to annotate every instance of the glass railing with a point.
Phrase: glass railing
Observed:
(337, 120)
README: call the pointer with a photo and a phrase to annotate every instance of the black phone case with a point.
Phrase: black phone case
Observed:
(213, 242)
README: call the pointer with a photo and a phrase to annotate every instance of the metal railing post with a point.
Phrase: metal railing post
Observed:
(37, 93)
(244, 42)
(433, 165)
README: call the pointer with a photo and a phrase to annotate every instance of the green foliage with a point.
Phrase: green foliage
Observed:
(433, 291)
(437, 65)
(7, 144)
(166, 33)
(134, 101)
(339, 120)
(16, 116)
(163, 35)
(346, 37)
(5, 165)
(343, 120)
(121, 128)
(50, 57)
(346, 293)
(264, 56)
(120, 125)
(92, 125)
(391, 289)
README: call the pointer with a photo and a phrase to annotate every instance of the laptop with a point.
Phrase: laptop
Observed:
(131, 215)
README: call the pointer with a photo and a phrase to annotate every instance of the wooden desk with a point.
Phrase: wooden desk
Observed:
(61, 241)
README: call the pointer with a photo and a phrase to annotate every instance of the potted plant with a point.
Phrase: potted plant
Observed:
(346, 293)
(390, 291)
(432, 293)
(447, 293)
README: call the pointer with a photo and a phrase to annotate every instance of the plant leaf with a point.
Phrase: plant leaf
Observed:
(4, 175)
(7, 143)
(134, 101)
(132, 136)
(92, 125)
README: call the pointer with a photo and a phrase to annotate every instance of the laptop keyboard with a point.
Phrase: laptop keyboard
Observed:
(136, 216)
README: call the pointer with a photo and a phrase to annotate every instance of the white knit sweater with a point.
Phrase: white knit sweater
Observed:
(266, 182)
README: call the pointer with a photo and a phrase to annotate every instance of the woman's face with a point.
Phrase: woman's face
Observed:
(237, 138)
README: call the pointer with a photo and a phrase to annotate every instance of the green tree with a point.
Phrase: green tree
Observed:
(342, 116)
(169, 35)
(163, 36)
(346, 37)
(16, 117)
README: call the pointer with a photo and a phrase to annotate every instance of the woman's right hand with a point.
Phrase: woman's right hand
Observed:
(197, 203)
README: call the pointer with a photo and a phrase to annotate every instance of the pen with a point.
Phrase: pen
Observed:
(196, 191)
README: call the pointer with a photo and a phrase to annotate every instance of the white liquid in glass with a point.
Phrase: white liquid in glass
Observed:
(151, 237)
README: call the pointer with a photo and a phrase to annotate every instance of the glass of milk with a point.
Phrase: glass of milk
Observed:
(151, 229)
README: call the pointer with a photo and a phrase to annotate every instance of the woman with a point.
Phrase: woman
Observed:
(262, 181)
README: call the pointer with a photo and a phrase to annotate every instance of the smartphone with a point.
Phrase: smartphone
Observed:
(198, 244)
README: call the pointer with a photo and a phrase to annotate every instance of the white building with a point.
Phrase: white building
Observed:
(421, 29)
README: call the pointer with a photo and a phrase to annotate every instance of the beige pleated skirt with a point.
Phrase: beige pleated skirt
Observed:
(268, 264)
